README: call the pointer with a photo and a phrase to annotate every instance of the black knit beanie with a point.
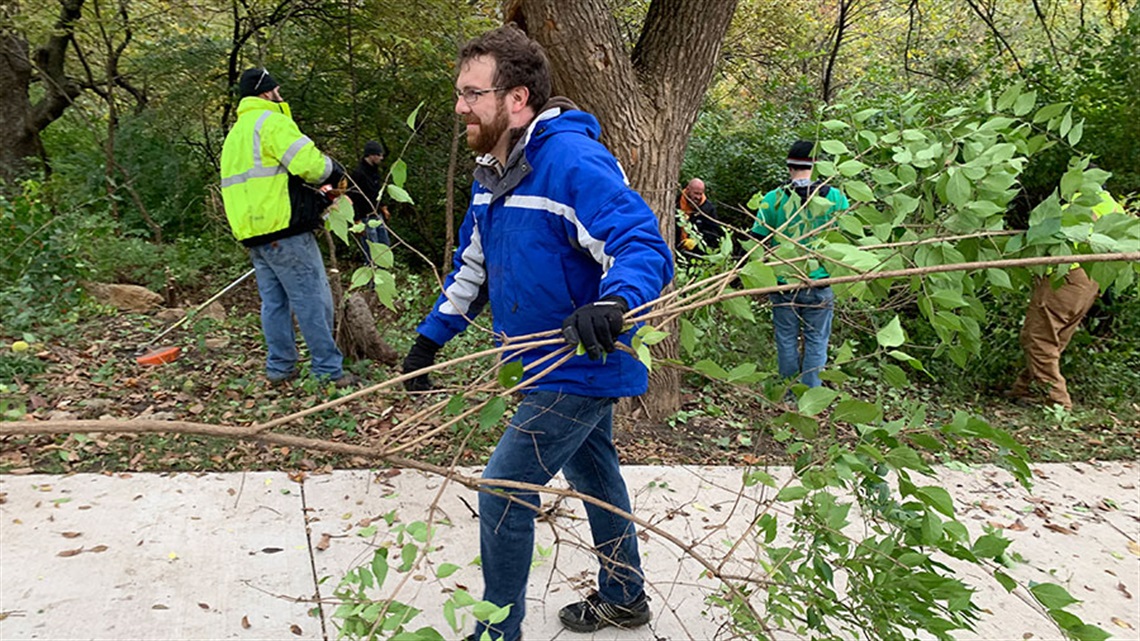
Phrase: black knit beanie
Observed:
(254, 82)
(373, 148)
(800, 156)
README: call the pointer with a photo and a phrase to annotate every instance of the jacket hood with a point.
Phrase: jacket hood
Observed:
(253, 103)
(561, 115)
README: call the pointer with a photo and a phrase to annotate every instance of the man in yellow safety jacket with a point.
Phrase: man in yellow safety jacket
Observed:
(272, 176)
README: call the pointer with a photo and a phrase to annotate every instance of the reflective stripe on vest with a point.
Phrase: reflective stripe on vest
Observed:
(259, 170)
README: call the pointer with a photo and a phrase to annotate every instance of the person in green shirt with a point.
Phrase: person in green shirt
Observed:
(802, 315)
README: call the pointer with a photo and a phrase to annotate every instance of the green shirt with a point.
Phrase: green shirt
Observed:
(780, 209)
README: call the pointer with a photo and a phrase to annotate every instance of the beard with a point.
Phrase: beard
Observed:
(488, 134)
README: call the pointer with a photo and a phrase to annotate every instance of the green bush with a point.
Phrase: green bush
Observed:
(40, 270)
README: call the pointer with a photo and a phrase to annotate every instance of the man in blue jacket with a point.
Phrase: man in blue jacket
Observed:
(554, 237)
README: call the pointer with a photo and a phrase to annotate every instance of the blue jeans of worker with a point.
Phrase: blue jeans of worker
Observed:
(291, 280)
(806, 314)
(553, 431)
(377, 234)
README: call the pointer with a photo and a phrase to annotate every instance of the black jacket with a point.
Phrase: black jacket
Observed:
(364, 189)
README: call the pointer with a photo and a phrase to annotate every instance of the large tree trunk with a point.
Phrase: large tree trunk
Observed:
(21, 121)
(646, 101)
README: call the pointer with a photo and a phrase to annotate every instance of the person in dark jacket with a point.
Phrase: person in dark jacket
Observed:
(700, 212)
(364, 191)
(553, 237)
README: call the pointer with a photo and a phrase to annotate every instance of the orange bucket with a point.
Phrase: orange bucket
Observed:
(159, 356)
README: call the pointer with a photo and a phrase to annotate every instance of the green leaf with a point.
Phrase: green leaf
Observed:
(380, 565)
(688, 336)
(711, 369)
(408, 555)
(990, 546)
(757, 275)
(361, 277)
(892, 335)
(385, 285)
(455, 405)
(816, 399)
(1024, 103)
(739, 308)
(894, 375)
(856, 411)
(998, 278)
(792, 493)
(381, 254)
(411, 121)
(399, 195)
(1008, 96)
(832, 125)
(445, 570)
(399, 172)
(958, 189)
(936, 498)
(1076, 132)
(510, 374)
(1049, 112)
(491, 412)
(651, 336)
(834, 147)
(1005, 580)
(1052, 596)
(1086, 632)
(851, 167)
(859, 191)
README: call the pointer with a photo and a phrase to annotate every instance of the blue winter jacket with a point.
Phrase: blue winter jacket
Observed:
(558, 228)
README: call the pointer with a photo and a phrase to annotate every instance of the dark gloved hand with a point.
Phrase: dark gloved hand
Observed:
(420, 356)
(596, 326)
(336, 176)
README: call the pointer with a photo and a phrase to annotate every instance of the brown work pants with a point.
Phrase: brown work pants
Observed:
(1050, 322)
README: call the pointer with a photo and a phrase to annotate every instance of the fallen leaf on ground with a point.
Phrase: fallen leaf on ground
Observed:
(296, 629)
(1134, 547)
(159, 606)
(1122, 624)
(323, 544)
(1059, 528)
(98, 548)
(67, 553)
(1124, 590)
(72, 535)
(1018, 526)
(204, 606)
(245, 622)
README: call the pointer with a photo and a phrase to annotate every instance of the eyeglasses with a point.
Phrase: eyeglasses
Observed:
(471, 96)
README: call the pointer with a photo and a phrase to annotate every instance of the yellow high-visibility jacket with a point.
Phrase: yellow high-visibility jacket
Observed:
(265, 160)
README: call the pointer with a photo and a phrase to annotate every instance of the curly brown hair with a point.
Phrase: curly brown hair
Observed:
(519, 61)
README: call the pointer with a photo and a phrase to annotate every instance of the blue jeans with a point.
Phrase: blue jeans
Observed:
(377, 234)
(553, 431)
(291, 280)
(805, 313)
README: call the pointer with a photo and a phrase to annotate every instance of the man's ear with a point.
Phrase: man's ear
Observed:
(518, 97)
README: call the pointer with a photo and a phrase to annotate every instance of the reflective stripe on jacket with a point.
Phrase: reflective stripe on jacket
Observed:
(261, 150)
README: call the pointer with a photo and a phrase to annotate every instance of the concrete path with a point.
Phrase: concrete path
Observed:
(247, 556)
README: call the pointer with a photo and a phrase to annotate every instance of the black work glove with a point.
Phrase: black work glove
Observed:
(336, 175)
(596, 326)
(420, 356)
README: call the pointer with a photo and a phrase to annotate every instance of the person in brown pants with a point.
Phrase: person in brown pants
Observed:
(1050, 322)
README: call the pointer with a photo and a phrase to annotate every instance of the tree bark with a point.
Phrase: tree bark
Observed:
(647, 101)
(21, 121)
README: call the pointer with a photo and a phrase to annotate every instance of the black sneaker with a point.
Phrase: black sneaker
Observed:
(593, 614)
